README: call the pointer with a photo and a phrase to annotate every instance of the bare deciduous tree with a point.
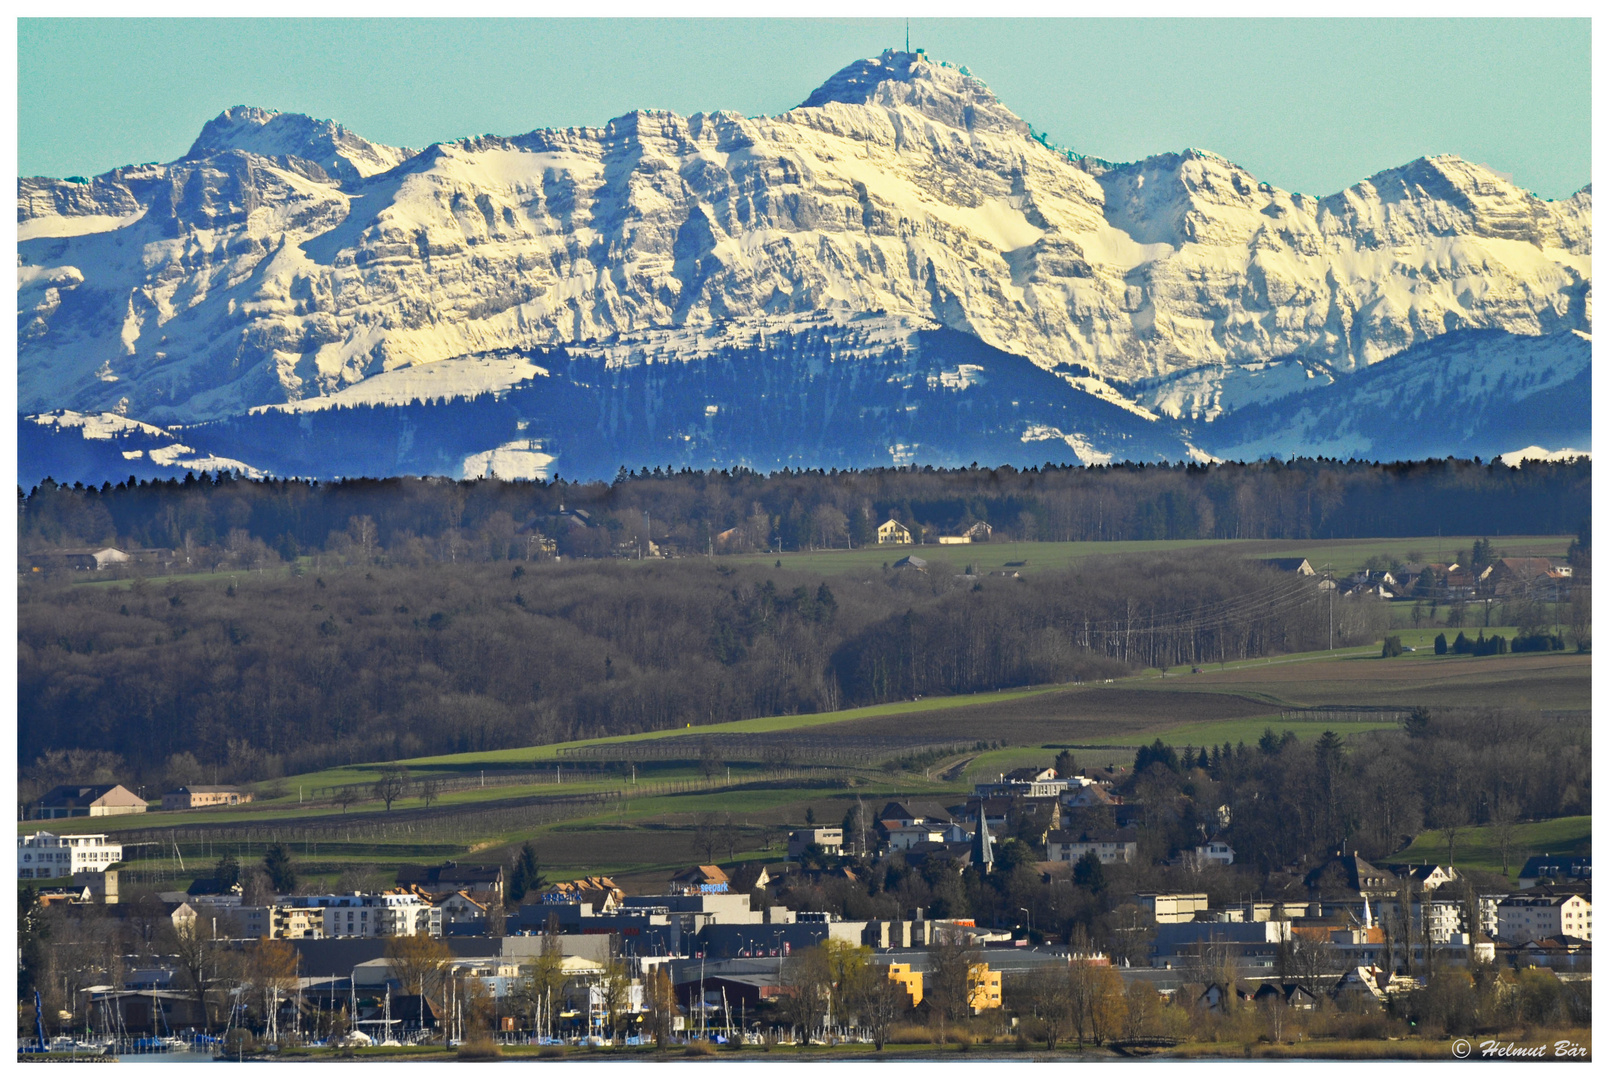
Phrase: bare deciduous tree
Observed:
(393, 781)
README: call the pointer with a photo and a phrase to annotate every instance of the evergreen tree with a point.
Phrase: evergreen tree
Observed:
(277, 864)
(227, 872)
(526, 875)
(1441, 644)
(1088, 873)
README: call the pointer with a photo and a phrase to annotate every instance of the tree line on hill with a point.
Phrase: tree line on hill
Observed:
(226, 521)
(244, 677)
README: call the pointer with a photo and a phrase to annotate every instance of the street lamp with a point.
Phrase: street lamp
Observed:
(1030, 915)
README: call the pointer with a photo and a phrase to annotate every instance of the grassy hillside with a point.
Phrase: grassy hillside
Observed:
(1476, 849)
(606, 817)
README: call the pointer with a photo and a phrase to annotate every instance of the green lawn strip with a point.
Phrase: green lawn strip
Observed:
(1250, 730)
(264, 814)
(1118, 749)
(1424, 638)
(548, 754)
(1476, 848)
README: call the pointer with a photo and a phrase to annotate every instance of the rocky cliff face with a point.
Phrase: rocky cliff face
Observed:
(286, 259)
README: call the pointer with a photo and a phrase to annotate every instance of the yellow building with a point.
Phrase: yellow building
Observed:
(910, 980)
(892, 532)
(983, 988)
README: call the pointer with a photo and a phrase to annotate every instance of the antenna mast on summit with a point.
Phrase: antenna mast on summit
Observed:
(907, 35)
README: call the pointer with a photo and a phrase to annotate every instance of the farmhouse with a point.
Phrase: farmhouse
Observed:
(892, 532)
(979, 533)
(98, 559)
(196, 796)
(88, 800)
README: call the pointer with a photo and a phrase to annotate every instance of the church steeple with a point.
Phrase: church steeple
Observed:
(983, 843)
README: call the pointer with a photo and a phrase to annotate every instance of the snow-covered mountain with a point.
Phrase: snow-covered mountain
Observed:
(1485, 392)
(288, 262)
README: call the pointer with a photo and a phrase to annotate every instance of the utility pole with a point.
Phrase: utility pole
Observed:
(1329, 576)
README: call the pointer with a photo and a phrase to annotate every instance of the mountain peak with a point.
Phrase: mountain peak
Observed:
(270, 133)
(951, 95)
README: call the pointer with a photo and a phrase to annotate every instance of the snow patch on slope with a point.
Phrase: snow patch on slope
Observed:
(522, 459)
(1078, 443)
(1207, 393)
(1537, 453)
(444, 380)
(110, 426)
(57, 225)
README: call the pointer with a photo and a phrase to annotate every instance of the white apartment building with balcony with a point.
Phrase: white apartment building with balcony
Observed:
(387, 914)
(44, 855)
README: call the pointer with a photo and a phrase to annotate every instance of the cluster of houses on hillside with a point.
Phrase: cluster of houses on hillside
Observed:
(1028, 804)
(1452, 583)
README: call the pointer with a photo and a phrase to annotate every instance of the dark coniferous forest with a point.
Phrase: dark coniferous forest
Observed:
(416, 520)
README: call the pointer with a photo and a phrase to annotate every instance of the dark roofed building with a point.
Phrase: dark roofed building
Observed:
(1348, 873)
(1289, 566)
(958, 852)
(1555, 868)
(451, 877)
(88, 800)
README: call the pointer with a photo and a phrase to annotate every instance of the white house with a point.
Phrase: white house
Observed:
(904, 837)
(1532, 918)
(892, 532)
(830, 840)
(46, 855)
(1109, 845)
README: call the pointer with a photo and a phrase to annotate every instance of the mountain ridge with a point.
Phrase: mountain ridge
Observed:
(287, 259)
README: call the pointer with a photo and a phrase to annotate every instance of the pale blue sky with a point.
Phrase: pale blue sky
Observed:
(1308, 105)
